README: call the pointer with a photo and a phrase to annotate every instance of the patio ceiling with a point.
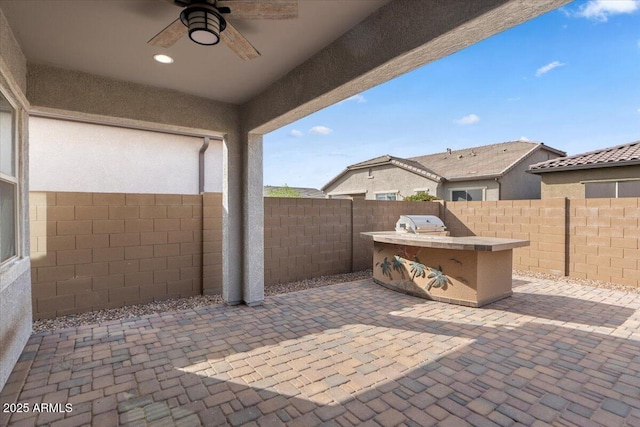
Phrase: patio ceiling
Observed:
(92, 57)
(109, 39)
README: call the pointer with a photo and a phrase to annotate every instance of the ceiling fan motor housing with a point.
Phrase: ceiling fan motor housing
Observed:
(205, 23)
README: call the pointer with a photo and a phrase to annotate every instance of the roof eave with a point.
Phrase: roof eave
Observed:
(584, 167)
(424, 173)
(474, 178)
(335, 178)
(539, 146)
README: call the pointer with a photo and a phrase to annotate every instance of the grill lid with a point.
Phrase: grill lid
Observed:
(419, 224)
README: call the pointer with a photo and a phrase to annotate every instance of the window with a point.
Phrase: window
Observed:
(468, 195)
(612, 189)
(629, 189)
(386, 196)
(8, 181)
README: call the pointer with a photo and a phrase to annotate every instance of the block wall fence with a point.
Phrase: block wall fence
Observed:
(596, 239)
(92, 251)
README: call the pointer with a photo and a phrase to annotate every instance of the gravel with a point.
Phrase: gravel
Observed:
(96, 317)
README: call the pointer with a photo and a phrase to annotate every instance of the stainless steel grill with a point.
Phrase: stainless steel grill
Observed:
(421, 224)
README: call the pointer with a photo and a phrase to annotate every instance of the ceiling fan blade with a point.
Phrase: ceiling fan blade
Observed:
(171, 34)
(261, 9)
(238, 43)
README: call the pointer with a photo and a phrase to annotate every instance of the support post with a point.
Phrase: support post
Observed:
(253, 286)
(232, 256)
(242, 221)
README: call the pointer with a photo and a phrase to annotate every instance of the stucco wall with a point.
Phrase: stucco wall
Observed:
(519, 185)
(383, 179)
(83, 157)
(15, 277)
(568, 183)
(11, 55)
(515, 185)
(74, 91)
(15, 322)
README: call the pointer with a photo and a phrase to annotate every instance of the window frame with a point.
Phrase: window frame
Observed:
(616, 182)
(390, 192)
(467, 189)
(14, 180)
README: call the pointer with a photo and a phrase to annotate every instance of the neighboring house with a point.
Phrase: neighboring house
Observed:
(302, 192)
(610, 172)
(488, 172)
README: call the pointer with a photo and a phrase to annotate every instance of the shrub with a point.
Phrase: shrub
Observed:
(284, 191)
(421, 197)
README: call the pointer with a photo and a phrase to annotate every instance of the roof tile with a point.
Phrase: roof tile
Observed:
(486, 160)
(618, 155)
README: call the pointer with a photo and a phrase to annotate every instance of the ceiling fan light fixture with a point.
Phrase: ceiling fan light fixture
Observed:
(204, 23)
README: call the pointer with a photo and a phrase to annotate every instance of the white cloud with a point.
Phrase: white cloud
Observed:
(524, 139)
(468, 120)
(360, 99)
(542, 70)
(296, 133)
(638, 110)
(600, 10)
(320, 130)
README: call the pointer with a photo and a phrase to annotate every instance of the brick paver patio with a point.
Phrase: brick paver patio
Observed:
(349, 354)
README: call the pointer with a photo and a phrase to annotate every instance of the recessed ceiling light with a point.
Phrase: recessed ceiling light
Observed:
(164, 59)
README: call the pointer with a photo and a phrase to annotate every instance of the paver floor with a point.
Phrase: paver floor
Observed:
(349, 354)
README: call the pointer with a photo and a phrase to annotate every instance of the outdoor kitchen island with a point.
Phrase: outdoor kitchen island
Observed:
(471, 271)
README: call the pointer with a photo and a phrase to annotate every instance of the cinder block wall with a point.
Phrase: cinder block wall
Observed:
(92, 251)
(542, 222)
(603, 242)
(372, 215)
(212, 243)
(306, 238)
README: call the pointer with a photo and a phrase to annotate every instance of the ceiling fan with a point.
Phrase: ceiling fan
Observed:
(203, 21)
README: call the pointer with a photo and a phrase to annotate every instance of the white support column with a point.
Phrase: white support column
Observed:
(253, 209)
(232, 224)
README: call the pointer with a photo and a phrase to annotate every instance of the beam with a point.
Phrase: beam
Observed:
(397, 38)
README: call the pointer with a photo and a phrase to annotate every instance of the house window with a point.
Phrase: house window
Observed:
(386, 196)
(612, 189)
(8, 182)
(470, 195)
(629, 189)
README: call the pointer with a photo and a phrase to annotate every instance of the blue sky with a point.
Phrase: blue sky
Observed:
(570, 79)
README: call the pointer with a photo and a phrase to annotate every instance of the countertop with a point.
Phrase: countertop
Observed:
(470, 243)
